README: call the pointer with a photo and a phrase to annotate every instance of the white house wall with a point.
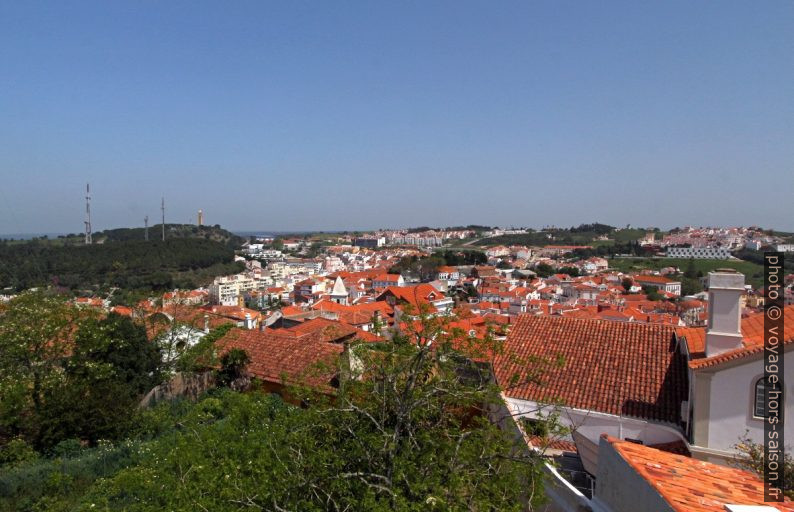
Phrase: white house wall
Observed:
(730, 407)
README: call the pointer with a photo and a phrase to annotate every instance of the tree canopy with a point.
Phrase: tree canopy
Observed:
(134, 264)
(409, 427)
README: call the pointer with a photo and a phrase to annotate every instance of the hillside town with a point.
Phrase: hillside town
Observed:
(659, 365)
(447, 256)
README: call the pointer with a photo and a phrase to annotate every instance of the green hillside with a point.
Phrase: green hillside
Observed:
(129, 264)
(754, 273)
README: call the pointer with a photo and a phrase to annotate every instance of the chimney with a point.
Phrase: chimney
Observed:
(724, 331)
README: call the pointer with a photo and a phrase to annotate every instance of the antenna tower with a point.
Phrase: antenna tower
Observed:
(88, 240)
(146, 228)
(162, 208)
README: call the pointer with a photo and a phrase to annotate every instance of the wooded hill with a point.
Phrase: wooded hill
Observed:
(214, 233)
(129, 264)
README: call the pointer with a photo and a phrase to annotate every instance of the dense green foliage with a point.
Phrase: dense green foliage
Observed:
(180, 262)
(214, 233)
(620, 240)
(405, 430)
(544, 270)
(753, 273)
(757, 257)
(202, 356)
(68, 374)
(425, 268)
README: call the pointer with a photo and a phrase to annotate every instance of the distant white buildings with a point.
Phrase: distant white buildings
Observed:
(226, 290)
(661, 283)
(370, 242)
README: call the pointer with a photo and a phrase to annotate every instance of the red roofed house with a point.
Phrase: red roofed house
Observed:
(697, 389)
(726, 369)
(661, 283)
(625, 379)
(416, 296)
(279, 359)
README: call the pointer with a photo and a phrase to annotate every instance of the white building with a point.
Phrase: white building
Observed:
(727, 384)
(226, 290)
(699, 253)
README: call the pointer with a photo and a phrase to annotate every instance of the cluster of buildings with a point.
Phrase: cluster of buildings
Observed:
(714, 243)
(427, 238)
(655, 404)
(656, 391)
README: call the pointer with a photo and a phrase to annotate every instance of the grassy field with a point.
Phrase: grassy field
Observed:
(754, 274)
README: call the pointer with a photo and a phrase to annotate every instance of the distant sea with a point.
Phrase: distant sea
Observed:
(273, 234)
(28, 236)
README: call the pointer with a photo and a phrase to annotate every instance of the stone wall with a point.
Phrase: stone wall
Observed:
(181, 385)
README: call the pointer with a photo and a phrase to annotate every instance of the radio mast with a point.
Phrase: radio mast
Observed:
(88, 240)
(146, 228)
(162, 208)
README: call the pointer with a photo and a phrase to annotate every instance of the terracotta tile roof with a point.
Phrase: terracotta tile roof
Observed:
(192, 316)
(366, 309)
(691, 485)
(121, 310)
(653, 279)
(551, 443)
(233, 312)
(619, 368)
(324, 330)
(387, 278)
(284, 359)
(415, 295)
(752, 331)
(695, 338)
(292, 310)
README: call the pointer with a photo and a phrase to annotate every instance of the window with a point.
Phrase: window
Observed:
(759, 401)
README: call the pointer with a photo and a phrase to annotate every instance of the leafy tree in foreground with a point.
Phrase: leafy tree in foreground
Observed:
(407, 429)
(113, 363)
(65, 373)
(34, 334)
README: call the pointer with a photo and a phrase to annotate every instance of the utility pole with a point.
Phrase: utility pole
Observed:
(88, 240)
(146, 228)
(162, 208)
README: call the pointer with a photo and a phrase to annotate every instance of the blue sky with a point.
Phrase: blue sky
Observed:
(335, 115)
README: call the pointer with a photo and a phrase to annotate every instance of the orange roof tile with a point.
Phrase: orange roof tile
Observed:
(691, 485)
(620, 368)
(653, 279)
(752, 331)
(415, 295)
(324, 330)
(284, 359)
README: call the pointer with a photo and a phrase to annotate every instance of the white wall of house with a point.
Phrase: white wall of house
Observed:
(730, 408)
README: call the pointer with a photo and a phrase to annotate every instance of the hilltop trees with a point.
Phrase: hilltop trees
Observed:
(130, 264)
